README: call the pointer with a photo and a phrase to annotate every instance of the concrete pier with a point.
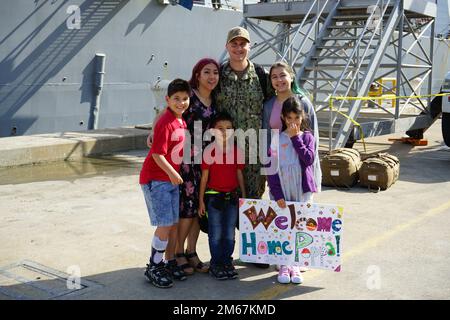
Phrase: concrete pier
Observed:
(395, 244)
(41, 148)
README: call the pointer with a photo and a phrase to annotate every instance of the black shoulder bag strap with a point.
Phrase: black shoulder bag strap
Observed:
(262, 79)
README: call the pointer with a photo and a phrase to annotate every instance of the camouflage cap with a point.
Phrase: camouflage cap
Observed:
(238, 32)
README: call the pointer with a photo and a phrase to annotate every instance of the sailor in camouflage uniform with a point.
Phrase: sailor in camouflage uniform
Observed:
(241, 95)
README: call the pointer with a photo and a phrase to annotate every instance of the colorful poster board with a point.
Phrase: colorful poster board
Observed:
(303, 234)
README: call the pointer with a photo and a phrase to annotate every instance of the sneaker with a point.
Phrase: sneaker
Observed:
(231, 271)
(296, 276)
(175, 270)
(218, 272)
(157, 275)
(284, 275)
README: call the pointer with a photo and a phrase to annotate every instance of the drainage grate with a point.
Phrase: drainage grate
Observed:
(29, 280)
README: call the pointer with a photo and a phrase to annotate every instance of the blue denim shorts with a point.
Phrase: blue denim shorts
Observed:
(163, 202)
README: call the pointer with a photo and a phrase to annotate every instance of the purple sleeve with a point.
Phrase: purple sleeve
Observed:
(274, 184)
(304, 146)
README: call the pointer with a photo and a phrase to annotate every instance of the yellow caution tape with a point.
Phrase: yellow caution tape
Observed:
(390, 97)
(352, 120)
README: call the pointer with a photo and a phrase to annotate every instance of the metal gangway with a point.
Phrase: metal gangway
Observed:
(342, 48)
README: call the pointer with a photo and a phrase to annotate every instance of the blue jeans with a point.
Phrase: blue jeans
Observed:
(222, 219)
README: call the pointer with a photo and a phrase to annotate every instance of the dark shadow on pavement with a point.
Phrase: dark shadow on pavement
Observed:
(130, 284)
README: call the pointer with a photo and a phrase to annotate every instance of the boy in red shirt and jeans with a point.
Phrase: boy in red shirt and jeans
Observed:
(160, 180)
(221, 176)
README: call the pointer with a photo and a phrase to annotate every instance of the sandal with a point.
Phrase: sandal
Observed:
(186, 267)
(199, 266)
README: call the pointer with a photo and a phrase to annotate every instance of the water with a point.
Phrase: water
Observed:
(124, 164)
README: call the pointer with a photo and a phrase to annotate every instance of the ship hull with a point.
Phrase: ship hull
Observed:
(47, 63)
(47, 59)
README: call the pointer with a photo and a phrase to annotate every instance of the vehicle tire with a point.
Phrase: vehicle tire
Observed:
(446, 128)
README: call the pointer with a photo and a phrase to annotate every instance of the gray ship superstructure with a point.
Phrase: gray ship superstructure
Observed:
(75, 65)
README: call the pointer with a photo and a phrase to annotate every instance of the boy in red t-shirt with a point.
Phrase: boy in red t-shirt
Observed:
(221, 176)
(160, 180)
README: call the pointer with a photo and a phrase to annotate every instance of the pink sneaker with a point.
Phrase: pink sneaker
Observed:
(296, 276)
(284, 275)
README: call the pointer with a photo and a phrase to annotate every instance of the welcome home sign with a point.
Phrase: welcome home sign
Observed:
(303, 234)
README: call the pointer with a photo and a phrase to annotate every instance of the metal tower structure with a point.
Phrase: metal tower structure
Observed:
(342, 48)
